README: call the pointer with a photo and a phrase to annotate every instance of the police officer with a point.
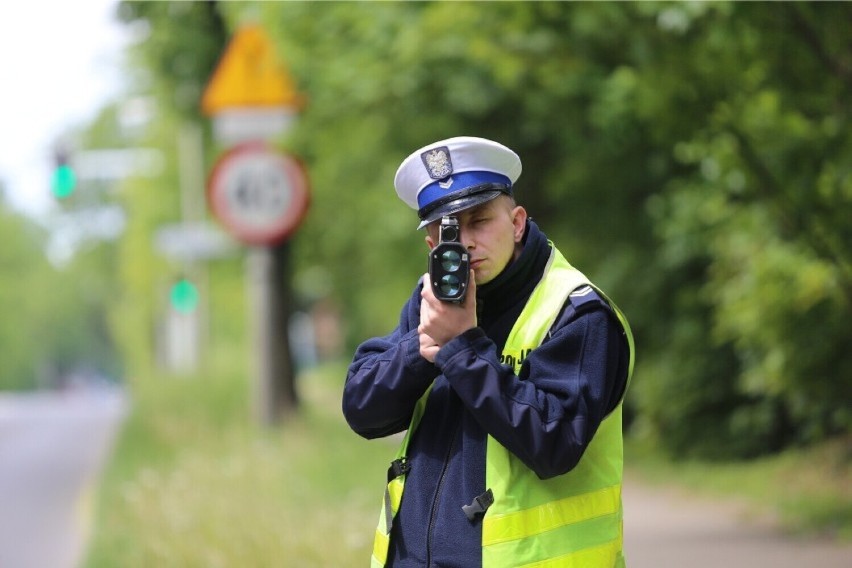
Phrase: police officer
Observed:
(510, 400)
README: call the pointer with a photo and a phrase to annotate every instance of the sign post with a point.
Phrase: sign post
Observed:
(260, 196)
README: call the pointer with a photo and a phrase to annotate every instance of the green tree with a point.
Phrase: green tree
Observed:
(170, 66)
(658, 140)
(55, 317)
(23, 291)
(692, 158)
(753, 231)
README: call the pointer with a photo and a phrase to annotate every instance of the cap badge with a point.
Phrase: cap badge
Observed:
(438, 162)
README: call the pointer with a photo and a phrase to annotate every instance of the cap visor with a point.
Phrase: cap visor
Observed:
(459, 205)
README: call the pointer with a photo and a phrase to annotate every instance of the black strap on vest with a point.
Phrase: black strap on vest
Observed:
(479, 505)
(398, 467)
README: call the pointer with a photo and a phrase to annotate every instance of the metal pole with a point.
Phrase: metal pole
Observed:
(190, 144)
(191, 171)
(269, 298)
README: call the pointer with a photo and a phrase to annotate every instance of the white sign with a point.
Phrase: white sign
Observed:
(112, 164)
(260, 195)
(234, 126)
(190, 241)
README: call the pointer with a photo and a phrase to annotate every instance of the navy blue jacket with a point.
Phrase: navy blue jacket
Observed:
(546, 416)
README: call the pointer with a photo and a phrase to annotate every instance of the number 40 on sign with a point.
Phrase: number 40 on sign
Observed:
(258, 194)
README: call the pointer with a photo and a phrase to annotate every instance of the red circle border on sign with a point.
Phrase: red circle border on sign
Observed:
(297, 175)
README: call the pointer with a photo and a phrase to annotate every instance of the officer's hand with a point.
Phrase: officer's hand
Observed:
(442, 321)
(428, 348)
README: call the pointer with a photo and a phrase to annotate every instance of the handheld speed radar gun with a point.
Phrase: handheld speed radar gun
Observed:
(449, 263)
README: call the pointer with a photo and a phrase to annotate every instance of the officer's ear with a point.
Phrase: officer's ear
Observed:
(432, 233)
(519, 221)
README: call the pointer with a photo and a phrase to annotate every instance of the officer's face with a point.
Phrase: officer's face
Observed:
(492, 232)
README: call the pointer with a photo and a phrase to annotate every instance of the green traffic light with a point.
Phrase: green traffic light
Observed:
(64, 181)
(184, 296)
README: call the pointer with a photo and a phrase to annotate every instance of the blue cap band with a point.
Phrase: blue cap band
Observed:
(463, 180)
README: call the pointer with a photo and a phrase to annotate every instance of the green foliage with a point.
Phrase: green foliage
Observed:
(692, 158)
(54, 317)
(23, 299)
(179, 46)
(182, 43)
(762, 246)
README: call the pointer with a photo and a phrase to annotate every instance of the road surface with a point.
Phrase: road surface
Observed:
(665, 528)
(52, 449)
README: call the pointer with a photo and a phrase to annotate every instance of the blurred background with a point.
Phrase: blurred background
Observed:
(694, 159)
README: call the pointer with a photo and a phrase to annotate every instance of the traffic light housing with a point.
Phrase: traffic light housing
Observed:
(64, 180)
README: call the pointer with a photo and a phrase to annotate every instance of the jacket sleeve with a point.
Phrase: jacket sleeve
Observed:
(548, 415)
(387, 377)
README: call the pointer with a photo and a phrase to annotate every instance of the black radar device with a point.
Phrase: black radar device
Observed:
(449, 263)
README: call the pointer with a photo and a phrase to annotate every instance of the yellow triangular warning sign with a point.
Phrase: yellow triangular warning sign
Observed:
(249, 74)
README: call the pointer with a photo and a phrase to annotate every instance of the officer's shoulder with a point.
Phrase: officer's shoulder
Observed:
(585, 297)
(583, 301)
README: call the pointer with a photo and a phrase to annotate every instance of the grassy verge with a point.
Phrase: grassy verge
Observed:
(808, 491)
(194, 483)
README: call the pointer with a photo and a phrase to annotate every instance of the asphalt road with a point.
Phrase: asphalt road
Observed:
(668, 529)
(52, 449)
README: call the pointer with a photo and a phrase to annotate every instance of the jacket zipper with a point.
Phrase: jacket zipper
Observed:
(433, 512)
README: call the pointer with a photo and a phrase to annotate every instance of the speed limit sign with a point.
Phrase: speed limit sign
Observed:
(259, 194)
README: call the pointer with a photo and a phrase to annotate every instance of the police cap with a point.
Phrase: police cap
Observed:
(452, 175)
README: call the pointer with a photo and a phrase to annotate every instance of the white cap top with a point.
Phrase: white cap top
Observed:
(454, 174)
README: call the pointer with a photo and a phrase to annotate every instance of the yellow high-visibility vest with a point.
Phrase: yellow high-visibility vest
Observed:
(573, 520)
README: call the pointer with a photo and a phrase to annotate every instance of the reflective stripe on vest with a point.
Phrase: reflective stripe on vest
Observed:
(572, 520)
(526, 524)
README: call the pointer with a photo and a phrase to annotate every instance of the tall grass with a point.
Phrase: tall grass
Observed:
(194, 482)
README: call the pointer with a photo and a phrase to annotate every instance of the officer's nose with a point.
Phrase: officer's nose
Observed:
(466, 240)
